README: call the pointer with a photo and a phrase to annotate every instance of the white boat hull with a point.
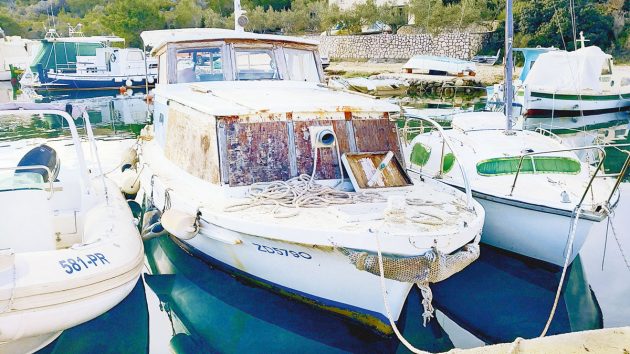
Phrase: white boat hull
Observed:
(540, 104)
(536, 234)
(304, 272)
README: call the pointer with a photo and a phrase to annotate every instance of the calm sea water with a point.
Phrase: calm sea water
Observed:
(185, 305)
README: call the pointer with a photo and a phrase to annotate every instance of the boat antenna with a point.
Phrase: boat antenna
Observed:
(240, 20)
(508, 89)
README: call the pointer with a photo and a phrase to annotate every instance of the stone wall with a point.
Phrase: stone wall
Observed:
(401, 46)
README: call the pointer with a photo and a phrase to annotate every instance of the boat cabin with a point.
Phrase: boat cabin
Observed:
(241, 108)
(208, 54)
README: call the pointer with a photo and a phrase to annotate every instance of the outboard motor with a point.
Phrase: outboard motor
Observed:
(42, 155)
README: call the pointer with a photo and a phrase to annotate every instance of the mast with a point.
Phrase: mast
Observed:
(240, 20)
(508, 90)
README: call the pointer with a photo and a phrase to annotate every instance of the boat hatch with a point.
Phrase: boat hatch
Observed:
(533, 164)
(375, 170)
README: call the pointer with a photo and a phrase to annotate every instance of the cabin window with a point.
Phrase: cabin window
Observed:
(533, 164)
(200, 64)
(134, 56)
(301, 65)
(256, 64)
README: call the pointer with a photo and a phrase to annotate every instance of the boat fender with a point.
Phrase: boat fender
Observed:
(151, 80)
(129, 83)
(180, 224)
(130, 157)
(130, 182)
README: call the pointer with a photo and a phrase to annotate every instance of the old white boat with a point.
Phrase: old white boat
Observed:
(245, 157)
(541, 200)
(69, 249)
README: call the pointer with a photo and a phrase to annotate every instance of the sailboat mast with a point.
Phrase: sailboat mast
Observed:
(509, 65)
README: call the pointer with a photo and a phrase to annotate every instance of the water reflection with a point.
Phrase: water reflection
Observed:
(501, 297)
(497, 299)
(123, 329)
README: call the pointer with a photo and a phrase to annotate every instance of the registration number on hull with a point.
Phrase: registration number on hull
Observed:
(282, 251)
(71, 265)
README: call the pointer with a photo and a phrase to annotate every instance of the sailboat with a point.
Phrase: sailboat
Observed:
(533, 188)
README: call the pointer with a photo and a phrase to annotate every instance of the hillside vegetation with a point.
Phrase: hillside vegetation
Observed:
(537, 22)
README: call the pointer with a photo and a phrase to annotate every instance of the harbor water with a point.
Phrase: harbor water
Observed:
(185, 304)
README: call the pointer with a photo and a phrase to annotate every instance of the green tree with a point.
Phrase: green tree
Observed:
(127, 18)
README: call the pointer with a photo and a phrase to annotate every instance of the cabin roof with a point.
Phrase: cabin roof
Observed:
(90, 39)
(232, 98)
(159, 38)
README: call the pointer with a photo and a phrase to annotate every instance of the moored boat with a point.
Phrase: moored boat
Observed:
(69, 250)
(541, 200)
(265, 171)
(439, 65)
(80, 62)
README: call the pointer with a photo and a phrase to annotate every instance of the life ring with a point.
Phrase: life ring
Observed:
(112, 58)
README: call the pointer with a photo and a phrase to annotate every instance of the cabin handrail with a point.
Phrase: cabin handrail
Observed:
(592, 178)
(447, 141)
(34, 167)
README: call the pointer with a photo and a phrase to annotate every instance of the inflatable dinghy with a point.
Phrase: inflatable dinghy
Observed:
(69, 249)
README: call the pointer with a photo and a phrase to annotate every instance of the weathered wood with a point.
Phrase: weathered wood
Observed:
(191, 142)
(377, 135)
(257, 152)
(327, 160)
(393, 175)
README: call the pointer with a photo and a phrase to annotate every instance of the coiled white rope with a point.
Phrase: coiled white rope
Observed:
(300, 192)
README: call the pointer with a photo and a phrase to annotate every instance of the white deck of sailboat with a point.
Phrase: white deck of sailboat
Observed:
(478, 140)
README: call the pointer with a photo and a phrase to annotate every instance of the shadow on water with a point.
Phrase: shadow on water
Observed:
(502, 296)
(498, 298)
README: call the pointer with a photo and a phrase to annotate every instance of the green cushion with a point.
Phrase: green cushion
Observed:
(542, 164)
(448, 162)
(420, 154)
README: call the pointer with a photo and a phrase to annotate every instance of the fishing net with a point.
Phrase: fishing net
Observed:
(431, 267)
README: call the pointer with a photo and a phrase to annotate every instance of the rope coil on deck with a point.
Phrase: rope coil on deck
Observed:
(300, 192)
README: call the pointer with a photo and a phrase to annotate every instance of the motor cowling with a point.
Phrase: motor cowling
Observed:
(42, 155)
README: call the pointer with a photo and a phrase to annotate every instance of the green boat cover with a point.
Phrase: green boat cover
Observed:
(533, 164)
(62, 55)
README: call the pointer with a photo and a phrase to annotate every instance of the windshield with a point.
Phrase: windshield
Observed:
(200, 64)
(256, 64)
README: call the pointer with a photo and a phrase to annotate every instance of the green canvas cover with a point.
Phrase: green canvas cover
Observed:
(533, 164)
(62, 55)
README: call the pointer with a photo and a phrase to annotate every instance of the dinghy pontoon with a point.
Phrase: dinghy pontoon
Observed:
(69, 249)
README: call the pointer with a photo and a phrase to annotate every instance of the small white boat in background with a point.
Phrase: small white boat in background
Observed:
(15, 52)
(69, 248)
(486, 59)
(374, 87)
(577, 83)
(437, 65)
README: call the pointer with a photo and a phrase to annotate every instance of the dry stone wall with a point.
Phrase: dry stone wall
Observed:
(401, 46)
